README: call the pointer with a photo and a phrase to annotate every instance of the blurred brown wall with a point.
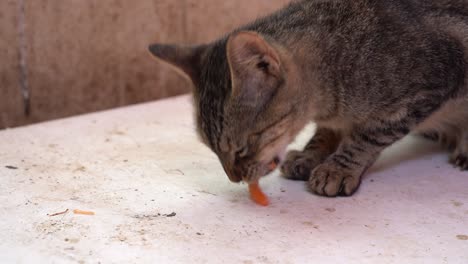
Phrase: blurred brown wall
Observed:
(90, 55)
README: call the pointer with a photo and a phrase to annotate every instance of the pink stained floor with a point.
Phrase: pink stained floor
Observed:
(159, 196)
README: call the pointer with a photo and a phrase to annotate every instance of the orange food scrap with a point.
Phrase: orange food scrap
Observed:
(76, 211)
(257, 195)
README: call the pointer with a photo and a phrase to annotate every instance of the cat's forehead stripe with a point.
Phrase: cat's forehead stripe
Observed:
(215, 85)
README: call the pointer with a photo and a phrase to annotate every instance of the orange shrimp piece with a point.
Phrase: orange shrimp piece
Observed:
(257, 195)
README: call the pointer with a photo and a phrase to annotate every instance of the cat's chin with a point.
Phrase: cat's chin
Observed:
(282, 156)
(274, 164)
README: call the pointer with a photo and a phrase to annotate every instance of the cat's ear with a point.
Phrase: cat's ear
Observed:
(252, 58)
(184, 58)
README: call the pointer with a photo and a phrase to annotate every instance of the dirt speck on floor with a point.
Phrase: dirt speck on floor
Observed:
(11, 167)
(80, 168)
(175, 172)
(457, 204)
(311, 225)
(462, 237)
(284, 211)
(118, 132)
(170, 215)
(146, 217)
(152, 216)
(263, 259)
(207, 192)
(331, 210)
(53, 226)
(72, 240)
(121, 238)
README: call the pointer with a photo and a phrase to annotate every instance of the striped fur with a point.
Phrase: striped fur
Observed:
(368, 72)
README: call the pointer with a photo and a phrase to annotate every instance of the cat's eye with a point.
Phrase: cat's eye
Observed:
(263, 65)
(242, 152)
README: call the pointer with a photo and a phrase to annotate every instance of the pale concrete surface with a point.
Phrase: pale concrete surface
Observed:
(136, 165)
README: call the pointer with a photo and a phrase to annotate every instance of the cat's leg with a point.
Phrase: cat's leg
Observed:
(340, 173)
(455, 139)
(299, 164)
(444, 138)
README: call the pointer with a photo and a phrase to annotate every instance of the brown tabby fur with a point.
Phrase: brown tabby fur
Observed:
(368, 72)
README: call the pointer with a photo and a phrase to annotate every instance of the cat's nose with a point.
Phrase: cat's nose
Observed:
(232, 174)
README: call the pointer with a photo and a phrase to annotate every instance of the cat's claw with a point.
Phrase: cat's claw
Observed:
(331, 181)
(460, 160)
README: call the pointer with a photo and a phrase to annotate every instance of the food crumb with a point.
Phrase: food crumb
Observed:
(59, 213)
(462, 237)
(76, 211)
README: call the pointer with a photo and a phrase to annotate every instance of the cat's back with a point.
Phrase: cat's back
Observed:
(453, 8)
(448, 16)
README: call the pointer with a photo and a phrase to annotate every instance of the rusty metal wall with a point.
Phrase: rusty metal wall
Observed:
(71, 57)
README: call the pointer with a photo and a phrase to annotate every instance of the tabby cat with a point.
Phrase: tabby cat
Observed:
(367, 72)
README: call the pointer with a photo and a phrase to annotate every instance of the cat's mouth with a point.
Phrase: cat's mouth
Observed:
(273, 165)
(237, 175)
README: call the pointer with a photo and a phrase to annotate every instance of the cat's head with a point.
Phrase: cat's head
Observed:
(245, 97)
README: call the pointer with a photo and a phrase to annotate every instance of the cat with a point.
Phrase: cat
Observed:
(367, 72)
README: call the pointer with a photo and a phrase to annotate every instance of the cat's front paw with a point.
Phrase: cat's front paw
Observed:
(299, 164)
(329, 179)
